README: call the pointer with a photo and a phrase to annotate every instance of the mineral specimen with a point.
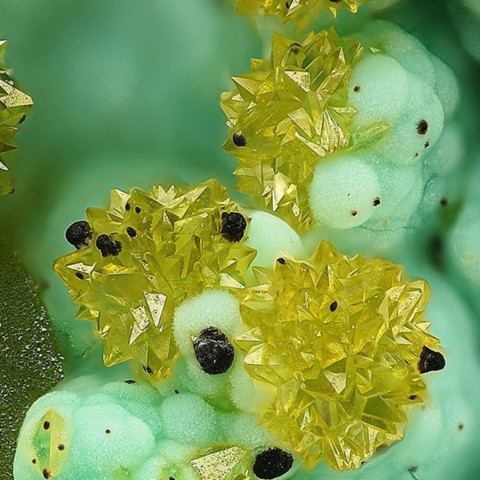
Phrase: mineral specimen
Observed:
(150, 252)
(340, 339)
(287, 114)
(25, 328)
(14, 104)
(301, 12)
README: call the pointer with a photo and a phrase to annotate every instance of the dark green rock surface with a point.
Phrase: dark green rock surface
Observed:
(29, 362)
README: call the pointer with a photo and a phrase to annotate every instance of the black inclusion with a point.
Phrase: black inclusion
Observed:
(422, 127)
(213, 351)
(272, 463)
(131, 232)
(107, 245)
(239, 139)
(430, 361)
(233, 226)
(79, 234)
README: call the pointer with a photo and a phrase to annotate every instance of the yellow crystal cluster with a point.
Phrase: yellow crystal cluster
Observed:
(300, 12)
(339, 338)
(14, 105)
(288, 113)
(168, 246)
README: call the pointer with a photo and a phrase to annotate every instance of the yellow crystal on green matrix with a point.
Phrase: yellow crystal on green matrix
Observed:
(340, 340)
(14, 104)
(167, 246)
(286, 115)
(301, 12)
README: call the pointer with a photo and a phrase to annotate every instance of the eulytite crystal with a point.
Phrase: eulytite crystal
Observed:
(150, 252)
(340, 339)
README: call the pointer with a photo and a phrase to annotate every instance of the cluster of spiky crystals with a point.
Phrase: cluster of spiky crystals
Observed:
(300, 12)
(340, 340)
(288, 113)
(168, 246)
(14, 105)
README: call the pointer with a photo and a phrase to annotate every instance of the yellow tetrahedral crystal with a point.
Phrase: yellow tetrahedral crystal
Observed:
(228, 464)
(300, 12)
(286, 115)
(14, 105)
(340, 340)
(149, 252)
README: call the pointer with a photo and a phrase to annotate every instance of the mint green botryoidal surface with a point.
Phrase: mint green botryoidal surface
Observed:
(30, 364)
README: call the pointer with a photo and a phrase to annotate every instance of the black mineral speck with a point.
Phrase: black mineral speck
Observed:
(430, 361)
(108, 245)
(376, 201)
(357, 88)
(138, 209)
(130, 382)
(333, 306)
(354, 213)
(213, 351)
(412, 397)
(233, 226)
(239, 139)
(131, 232)
(281, 261)
(422, 127)
(46, 473)
(272, 463)
(46, 425)
(147, 369)
(127, 206)
(443, 202)
(79, 234)
(80, 275)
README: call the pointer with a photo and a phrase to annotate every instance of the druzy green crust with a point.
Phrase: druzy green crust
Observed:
(148, 253)
(14, 105)
(25, 327)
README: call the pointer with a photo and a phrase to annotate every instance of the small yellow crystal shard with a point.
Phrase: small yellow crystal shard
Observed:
(50, 445)
(228, 464)
(149, 252)
(286, 115)
(340, 340)
(300, 12)
(14, 105)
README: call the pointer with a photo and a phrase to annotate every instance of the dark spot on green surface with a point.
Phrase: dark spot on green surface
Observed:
(422, 127)
(127, 206)
(46, 425)
(130, 382)
(80, 275)
(460, 426)
(376, 201)
(138, 209)
(281, 261)
(24, 377)
(333, 306)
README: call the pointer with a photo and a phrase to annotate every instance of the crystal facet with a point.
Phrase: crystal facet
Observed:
(340, 339)
(14, 104)
(300, 12)
(132, 290)
(228, 464)
(289, 113)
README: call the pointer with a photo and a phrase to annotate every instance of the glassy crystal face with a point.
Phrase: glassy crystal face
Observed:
(340, 340)
(228, 464)
(14, 104)
(149, 252)
(300, 12)
(286, 115)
